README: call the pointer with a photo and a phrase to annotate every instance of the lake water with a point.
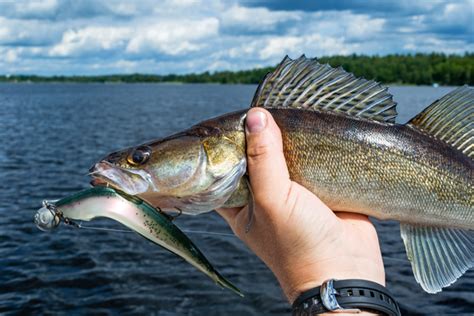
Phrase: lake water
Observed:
(50, 134)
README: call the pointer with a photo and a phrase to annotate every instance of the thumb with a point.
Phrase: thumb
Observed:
(267, 168)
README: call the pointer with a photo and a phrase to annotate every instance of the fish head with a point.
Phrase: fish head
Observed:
(196, 170)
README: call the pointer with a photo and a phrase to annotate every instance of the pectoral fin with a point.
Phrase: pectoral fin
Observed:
(439, 256)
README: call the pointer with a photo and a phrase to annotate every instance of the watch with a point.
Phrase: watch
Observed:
(349, 296)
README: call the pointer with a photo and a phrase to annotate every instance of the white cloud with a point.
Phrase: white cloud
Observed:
(103, 36)
(27, 32)
(311, 45)
(184, 3)
(257, 19)
(126, 65)
(345, 24)
(173, 37)
(428, 44)
(11, 56)
(37, 7)
(90, 39)
(124, 8)
(280, 46)
(29, 9)
(362, 27)
(457, 14)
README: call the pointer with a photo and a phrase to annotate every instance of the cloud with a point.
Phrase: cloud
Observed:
(71, 9)
(455, 19)
(173, 37)
(316, 44)
(238, 19)
(15, 32)
(29, 9)
(182, 36)
(90, 40)
(398, 7)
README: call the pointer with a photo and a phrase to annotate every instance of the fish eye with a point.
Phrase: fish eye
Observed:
(139, 155)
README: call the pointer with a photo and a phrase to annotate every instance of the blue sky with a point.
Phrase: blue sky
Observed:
(67, 37)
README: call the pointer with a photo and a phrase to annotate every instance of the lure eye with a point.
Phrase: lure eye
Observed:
(139, 156)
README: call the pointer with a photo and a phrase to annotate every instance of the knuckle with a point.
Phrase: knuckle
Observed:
(258, 152)
(290, 196)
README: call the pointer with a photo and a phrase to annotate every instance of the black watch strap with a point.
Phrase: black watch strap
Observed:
(350, 295)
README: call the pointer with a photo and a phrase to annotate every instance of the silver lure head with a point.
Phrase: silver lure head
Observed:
(47, 218)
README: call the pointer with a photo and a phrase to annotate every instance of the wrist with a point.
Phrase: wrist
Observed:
(299, 279)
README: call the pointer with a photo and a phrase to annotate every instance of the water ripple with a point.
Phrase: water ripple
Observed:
(50, 136)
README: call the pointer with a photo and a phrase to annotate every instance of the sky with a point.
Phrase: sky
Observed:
(90, 37)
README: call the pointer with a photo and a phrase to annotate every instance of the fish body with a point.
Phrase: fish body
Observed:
(135, 214)
(384, 170)
(341, 142)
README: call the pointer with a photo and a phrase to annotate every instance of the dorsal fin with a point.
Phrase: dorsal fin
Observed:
(451, 119)
(305, 83)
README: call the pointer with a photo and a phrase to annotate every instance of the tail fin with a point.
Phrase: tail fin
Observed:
(451, 119)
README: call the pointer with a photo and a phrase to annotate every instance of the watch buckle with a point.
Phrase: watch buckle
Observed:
(328, 299)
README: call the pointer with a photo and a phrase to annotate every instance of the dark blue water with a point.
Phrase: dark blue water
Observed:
(51, 134)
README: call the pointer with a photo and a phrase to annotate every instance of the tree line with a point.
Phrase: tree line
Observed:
(418, 69)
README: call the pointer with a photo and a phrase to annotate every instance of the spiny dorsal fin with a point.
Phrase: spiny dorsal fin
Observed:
(305, 83)
(451, 119)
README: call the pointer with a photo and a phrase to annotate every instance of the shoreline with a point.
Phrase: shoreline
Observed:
(419, 69)
(178, 83)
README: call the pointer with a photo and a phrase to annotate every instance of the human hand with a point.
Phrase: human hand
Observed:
(298, 237)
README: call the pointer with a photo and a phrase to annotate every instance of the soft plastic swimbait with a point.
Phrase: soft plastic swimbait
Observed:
(133, 213)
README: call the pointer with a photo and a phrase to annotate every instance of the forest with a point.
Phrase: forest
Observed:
(417, 69)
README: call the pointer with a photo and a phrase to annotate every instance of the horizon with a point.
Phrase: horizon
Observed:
(99, 38)
(213, 71)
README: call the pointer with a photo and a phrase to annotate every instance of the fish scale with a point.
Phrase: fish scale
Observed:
(365, 175)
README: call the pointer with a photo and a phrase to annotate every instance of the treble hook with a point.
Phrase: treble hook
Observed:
(169, 216)
(180, 212)
(173, 217)
(70, 222)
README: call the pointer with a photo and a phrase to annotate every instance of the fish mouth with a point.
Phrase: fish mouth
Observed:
(132, 182)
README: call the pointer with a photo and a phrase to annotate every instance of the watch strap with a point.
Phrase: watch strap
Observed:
(350, 295)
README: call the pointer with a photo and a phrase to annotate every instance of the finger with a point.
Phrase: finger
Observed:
(267, 168)
(236, 218)
(360, 221)
(229, 214)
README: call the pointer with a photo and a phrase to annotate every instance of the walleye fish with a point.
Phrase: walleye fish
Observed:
(341, 142)
(135, 214)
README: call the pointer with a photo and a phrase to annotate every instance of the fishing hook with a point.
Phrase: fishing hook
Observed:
(168, 216)
(173, 217)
